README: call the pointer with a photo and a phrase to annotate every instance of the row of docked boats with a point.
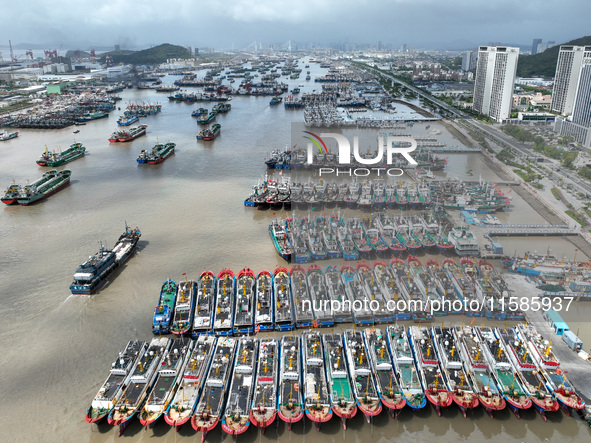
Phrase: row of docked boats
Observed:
(158, 153)
(382, 235)
(241, 381)
(297, 158)
(365, 294)
(49, 183)
(93, 274)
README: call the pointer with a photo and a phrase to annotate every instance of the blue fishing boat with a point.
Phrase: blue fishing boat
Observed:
(126, 120)
(165, 307)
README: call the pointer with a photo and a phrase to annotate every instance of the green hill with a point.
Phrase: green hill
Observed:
(152, 56)
(544, 63)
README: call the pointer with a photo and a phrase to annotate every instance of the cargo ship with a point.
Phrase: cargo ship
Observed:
(76, 150)
(92, 274)
(210, 133)
(126, 120)
(160, 152)
(49, 183)
(126, 135)
(165, 308)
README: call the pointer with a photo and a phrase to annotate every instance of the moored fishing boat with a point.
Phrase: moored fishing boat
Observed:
(356, 292)
(263, 316)
(321, 302)
(165, 308)
(167, 381)
(57, 158)
(236, 419)
(264, 401)
(302, 303)
(49, 183)
(140, 383)
(434, 382)
(191, 382)
(364, 388)
(224, 309)
(409, 378)
(126, 120)
(117, 381)
(244, 310)
(339, 386)
(184, 309)
(280, 240)
(204, 305)
(452, 368)
(282, 308)
(290, 403)
(210, 407)
(316, 396)
(387, 385)
(337, 293)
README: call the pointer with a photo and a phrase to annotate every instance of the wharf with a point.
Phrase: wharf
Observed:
(577, 368)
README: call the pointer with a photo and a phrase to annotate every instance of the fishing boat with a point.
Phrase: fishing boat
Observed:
(373, 291)
(210, 407)
(275, 101)
(204, 306)
(345, 241)
(204, 119)
(126, 135)
(141, 381)
(117, 381)
(391, 290)
(165, 308)
(358, 237)
(224, 309)
(263, 311)
(388, 232)
(191, 382)
(49, 183)
(321, 302)
(264, 401)
(11, 194)
(8, 135)
(339, 386)
(282, 308)
(92, 274)
(302, 303)
(244, 311)
(316, 396)
(387, 385)
(236, 419)
(160, 152)
(505, 374)
(210, 133)
(167, 381)
(290, 403)
(452, 368)
(528, 372)
(409, 378)
(364, 387)
(278, 234)
(89, 116)
(126, 120)
(434, 381)
(184, 309)
(221, 108)
(57, 158)
(199, 111)
(356, 292)
(338, 295)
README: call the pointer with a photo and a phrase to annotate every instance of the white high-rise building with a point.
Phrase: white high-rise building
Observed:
(495, 81)
(578, 125)
(566, 80)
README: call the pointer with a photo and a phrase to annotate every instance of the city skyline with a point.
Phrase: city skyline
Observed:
(425, 24)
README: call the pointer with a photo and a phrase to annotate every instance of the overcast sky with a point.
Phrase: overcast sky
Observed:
(438, 24)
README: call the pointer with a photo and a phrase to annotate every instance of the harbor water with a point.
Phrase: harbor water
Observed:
(57, 348)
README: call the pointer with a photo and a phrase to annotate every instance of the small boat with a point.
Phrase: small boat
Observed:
(236, 419)
(339, 385)
(49, 183)
(244, 309)
(210, 408)
(275, 101)
(167, 381)
(11, 194)
(165, 308)
(224, 310)
(389, 391)
(192, 382)
(290, 403)
(364, 387)
(204, 306)
(316, 396)
(409, 378)
(8, 135)
(263, 316)
(210, 133)
(141, 381)
(184, 309)
(199, 112)
(117, 381)
(264, 402)
(283, 312)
